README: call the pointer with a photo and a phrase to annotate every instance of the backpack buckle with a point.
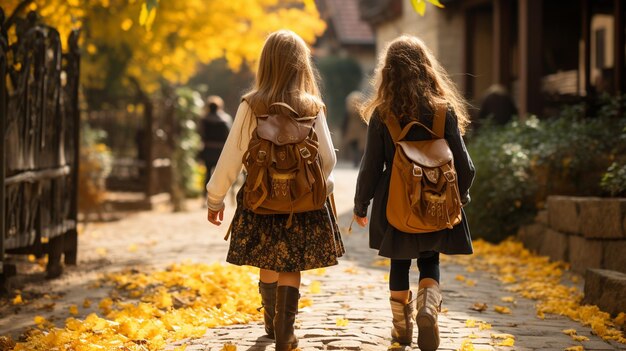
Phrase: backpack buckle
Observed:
(449, 176)
(261, 156)
(305, 152)
(417, 171)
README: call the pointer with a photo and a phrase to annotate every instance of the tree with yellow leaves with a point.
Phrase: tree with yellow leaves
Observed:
(162, 41)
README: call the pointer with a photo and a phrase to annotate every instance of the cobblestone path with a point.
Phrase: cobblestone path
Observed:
(353, 294)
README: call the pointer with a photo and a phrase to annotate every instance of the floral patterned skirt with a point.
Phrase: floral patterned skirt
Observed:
(263, 241)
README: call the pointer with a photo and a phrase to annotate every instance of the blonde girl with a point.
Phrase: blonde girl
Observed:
(311, 240)
(409, 84)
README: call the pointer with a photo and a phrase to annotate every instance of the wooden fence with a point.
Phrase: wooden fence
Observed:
(39, 125)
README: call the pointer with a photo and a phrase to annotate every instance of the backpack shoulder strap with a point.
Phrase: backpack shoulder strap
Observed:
(439, 121)
(394, 127)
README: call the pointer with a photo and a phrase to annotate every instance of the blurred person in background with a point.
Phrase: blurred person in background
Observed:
(354, 128)
(214, 128)
(498, 105)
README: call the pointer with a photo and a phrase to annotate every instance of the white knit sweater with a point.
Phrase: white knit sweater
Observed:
(230, 163)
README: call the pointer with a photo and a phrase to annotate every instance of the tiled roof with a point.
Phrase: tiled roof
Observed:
(345, 18)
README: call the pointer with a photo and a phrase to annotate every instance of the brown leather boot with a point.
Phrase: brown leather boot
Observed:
(286, 310)
(268, 303)
(428, 307)
(403, 316)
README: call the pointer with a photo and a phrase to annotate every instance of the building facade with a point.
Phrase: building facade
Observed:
(544, 52)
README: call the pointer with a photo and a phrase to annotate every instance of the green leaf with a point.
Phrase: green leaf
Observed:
(419, 6)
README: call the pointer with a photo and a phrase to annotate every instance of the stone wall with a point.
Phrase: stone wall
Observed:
(587, 232)
(590, 234)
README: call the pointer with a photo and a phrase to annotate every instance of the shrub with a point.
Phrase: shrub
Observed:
(94, 166)
(188, 109)
(614, 180)
(519, 164)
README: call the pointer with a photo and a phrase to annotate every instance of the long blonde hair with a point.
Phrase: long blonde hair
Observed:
(408, 80)
(285, 74)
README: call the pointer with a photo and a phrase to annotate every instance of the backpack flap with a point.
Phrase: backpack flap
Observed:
(282, 130)
(429, 153)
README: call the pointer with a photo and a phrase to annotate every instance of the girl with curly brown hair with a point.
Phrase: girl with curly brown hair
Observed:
(409, 84)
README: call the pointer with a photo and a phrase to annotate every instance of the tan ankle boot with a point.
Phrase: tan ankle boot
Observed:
(268, 302)
(286, 310)
(428, 307)
(403, 316)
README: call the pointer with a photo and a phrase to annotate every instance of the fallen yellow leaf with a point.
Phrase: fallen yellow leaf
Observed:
(229, 347)
(39, 320)
(507, 299)
(575, 348)
(315, 287)
(305, 302)
(502, 309)
(479, 306)
(580, 338)
(484, 326)
(86, 303)
(460, 277)
(73, 310)
(17, 300)
(470, 323)
(507, 342)
(342, 322)
(569, 331)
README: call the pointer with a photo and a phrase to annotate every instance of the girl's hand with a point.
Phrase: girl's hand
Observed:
(361, 221)
(216, 217)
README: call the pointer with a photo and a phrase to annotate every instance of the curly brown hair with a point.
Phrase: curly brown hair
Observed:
(408, 81)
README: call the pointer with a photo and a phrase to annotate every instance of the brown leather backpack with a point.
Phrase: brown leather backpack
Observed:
(423, 191)
(284, 170)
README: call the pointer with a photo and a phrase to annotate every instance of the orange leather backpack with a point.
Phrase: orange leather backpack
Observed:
(423, 191)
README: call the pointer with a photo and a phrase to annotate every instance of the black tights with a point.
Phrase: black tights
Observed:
(427, 263)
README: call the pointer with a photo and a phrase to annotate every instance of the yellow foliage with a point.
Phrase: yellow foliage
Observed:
(575, 348)
(171, 41)
(536, 277)
(180, 302)
(73, 310)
